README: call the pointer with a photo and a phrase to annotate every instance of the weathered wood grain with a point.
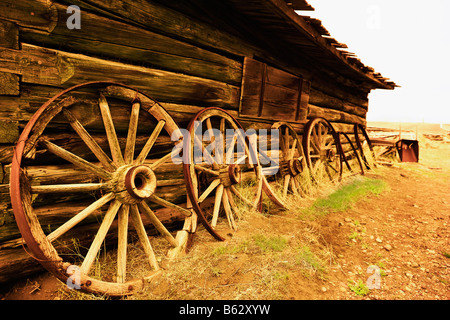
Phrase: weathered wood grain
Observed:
(50, 67)
(101, 36)
(38, 14)
(9, 35)
(9, 131)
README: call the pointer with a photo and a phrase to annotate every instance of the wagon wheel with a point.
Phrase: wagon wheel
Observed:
(117, 177)
(321, 147)
(292, 173)
(219, 161)
(364, 146)
(350, 155)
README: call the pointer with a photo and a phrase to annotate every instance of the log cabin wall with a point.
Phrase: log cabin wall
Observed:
(187, 55)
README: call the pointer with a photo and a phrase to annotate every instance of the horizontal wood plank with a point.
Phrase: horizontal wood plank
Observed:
(101, 36)
(57, 68)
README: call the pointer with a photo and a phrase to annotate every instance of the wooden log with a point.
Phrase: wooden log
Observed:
(9, 131)
(116, 40)
(9, 35)
(9, 84)
(334, 115)
(38, 14)
(55, 68)
(322, 99)
(164, 20)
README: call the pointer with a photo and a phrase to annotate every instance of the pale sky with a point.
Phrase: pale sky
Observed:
(407, 41)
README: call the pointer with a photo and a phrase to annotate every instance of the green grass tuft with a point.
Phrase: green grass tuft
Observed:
(276, 243)
(344, 198)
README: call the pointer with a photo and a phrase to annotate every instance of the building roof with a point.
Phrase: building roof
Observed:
(303, 33)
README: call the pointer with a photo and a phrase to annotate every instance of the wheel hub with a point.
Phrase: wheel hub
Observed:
(230, 175)
(132, 184)
(291, 167)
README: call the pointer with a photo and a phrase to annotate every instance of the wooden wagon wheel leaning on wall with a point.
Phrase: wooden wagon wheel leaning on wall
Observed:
(322, 151)
(291, 173)
(118, 174)
(221, 163)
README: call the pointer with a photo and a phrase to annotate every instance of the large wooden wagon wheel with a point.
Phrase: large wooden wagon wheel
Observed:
(222, 171)
(292, 173)
(321, 147)
(350, 155)
(114, 180)
(364, 146)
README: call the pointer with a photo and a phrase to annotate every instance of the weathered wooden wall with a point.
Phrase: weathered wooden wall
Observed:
(184, 62)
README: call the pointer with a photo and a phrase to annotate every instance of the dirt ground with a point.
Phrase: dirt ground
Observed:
(403, 234)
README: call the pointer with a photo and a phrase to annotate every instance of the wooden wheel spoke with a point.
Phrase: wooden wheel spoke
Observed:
(293, 185)
(100, 236)
(228, 212)
(241, 197)
(89, 141)
(218, 200)
(132, 129)
(80, 216)
(209, 159)
(231, 200)
(155, 165)
(294, 146)
(110, 131)
(241, 159)
(76, 160)
(203, 169)
(143, 238)
(286, 182)
(314, 143)
(64, 188)
(122, 243)
(150, 142)
(329, 165)
(154, 198)
(230, 151)
(208, 190)
(143, 206)
(222, 135)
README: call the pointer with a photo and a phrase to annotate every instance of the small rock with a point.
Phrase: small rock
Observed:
(414, 265)
(324, 289)
(378, 240)
(388, 247)
(409, 274)
(348, 220)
